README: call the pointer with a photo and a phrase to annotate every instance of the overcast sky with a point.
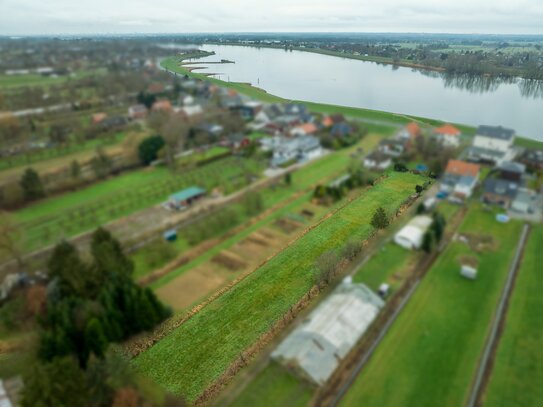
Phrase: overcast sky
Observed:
(19, 17)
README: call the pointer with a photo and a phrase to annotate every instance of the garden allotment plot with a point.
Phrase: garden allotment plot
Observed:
(194, 355)
(430, 355)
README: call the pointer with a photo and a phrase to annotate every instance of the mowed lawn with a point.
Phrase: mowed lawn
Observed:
(517, 376)
(193, 356)
(272, 387)
(430, 355)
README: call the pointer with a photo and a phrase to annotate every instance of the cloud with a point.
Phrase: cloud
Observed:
(21, 17)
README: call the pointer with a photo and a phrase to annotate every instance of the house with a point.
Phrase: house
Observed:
(212, 130)
(511, 171)
(250, 109)
(499, 192)
(162, 106)
(448, 135)
(316, 347)
(533, 159)
(341, 129)
(409, 133)
(113, 122)
(392, 147)
(304, 129)
(460, 179)
(524, 201)
(492, 144)
(186, 197)
(295, 109)
(97, 118)
(377, 160)
(237, 141)
(299, 149)
(411, 235)
(137, 112)
(190, 112)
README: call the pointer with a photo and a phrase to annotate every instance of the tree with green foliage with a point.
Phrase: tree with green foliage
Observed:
(427, 242)
(438, 226)
(325, 267)
(95, 341)
(60, 383)
(288, 178)
(32, 186)
(380, 219)
(75, 169)
(253, 203)
(148, 149)
(101, 164)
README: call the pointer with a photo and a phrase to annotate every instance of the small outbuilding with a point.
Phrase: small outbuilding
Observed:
(468, 272)
(412, 234)
(186, 197)
(170, 235)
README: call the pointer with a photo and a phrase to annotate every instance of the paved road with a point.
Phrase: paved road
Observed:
(493, 338)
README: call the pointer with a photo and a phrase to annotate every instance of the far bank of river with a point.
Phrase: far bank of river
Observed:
(376, 88)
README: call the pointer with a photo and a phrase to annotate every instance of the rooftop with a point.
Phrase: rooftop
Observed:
(448, 129)
(462, 168)
(188, 193)
(497, 132)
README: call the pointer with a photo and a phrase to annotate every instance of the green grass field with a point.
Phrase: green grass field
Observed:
(517, 376)
(75, 212)
(274, 386)
(32, 79)
(430, 355)
(209, 154)
(194, 355)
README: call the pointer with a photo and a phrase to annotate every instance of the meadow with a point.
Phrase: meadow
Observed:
(75, 212)
(195, 354)
(430, 355)
(517, 376)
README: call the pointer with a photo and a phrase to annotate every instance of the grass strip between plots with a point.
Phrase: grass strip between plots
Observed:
(193, 356)
(517, 376)
(430, 355)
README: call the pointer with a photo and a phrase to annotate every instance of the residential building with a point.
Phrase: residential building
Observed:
(524, 201)
(492, 144)
(162, 105)
(341, 129)
(137, 112)
(377, 160)
(460, 179)
(409, 133)
(304, 129)
(299, 149)
(499, 192)
(448, 135)
(392, 147)
(97, 118)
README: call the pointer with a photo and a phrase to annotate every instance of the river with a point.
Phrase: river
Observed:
(299, 75)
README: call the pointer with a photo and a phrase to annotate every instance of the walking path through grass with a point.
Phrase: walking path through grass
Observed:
(517, 375)
(430, 355)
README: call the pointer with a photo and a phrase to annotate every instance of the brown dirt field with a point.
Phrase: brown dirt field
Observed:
(192, 286)
(232, 261)
(287, 225)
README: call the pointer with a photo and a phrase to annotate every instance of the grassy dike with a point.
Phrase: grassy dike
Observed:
(174, 64)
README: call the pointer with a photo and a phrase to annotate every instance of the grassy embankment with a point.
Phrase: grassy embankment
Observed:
(430, 355)
(517, 376)
(33, 79)
(72, 213)
(194, 355)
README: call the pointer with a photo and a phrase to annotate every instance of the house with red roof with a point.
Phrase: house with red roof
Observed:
(460, 179)
(409, 134)
(304, 129)
(162, 105)
(448, 135)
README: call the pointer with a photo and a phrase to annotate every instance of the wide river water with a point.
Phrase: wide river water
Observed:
(299, 75)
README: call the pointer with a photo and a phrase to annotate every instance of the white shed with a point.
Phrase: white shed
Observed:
(468, 272)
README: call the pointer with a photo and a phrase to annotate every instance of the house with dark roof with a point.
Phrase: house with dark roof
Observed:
(299, 149)
(492, 144)
(392, 147)
(533, 159)
(377, 160)
(499, 192)
(341, 129)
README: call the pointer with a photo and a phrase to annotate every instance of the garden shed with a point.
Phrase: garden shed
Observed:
(186, 197)
(412, 234)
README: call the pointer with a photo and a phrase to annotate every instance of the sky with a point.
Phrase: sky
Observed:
(31, 17)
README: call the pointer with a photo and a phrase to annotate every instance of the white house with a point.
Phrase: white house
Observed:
(301, 149)
(448, 135)
(377, 161)
(493, 144)
(412, 234)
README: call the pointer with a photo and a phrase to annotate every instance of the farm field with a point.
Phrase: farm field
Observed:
(448, 312)
(79, 211)
(274, 386)
(325, 168)
(517, 375)
(194, 355)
